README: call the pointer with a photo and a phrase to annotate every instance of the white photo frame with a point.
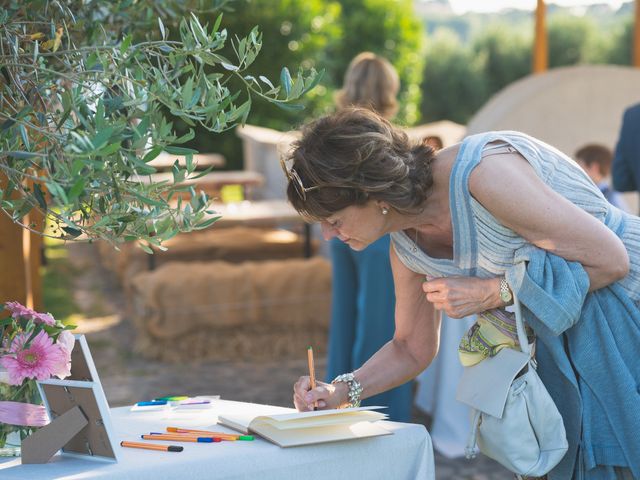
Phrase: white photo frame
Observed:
(93, 438)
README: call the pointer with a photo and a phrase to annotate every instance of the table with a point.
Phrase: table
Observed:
(165, 161)
(213, 180)
(436, 392)
(258, 213)
(407, 454)
(261, 213)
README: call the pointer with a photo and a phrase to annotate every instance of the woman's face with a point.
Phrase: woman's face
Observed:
(357, 226)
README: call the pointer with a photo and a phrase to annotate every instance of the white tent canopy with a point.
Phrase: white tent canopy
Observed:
(566, 107)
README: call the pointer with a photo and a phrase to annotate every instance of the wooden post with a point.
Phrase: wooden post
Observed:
(32, 244)
(636, 36)
(19, 261)
(13, 281)
(540, 48)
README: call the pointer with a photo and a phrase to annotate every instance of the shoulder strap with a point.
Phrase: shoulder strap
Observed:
(468, 157)
(522, 334)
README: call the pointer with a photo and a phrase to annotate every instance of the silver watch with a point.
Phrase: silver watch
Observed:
(505, 292)
(355, 389)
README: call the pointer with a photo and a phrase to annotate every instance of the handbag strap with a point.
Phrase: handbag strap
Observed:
(471, 448)
(522, 334)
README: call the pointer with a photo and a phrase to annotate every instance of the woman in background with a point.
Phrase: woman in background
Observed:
(363, 300)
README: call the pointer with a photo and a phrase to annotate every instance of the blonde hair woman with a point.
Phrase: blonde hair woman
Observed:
(370, 82)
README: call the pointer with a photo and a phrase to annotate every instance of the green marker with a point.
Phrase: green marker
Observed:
(245, 437)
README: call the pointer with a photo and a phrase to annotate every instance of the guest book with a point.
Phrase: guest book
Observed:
(307, 428)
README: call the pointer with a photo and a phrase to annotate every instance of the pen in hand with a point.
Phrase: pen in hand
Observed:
(312, 373)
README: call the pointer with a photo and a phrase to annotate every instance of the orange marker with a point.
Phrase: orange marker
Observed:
(216, 436)
(179, 438)
(204, 433)
(189, 435)
(312, 372)
(152, 446)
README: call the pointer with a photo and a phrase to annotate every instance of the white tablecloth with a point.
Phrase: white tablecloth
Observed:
(407, 454)
(436, 393)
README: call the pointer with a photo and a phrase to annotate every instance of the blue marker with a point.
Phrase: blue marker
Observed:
(151, 404)
(177, 438)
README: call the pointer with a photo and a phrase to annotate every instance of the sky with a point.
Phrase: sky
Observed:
(462, 6)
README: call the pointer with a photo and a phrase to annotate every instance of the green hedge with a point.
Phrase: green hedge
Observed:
(325, 35)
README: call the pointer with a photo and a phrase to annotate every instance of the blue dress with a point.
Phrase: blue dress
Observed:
(362, 317)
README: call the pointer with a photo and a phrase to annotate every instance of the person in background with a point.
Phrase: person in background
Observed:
(596, 161)
(434, 141)
(625, 172)
(363, 300)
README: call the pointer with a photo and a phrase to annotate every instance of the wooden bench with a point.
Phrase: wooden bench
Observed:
(234, 244)
(212, 179)
(165, 161)
(213, 182)
(262, 213)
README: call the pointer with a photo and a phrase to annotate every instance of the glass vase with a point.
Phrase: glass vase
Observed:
(12, 443)
(11, 436)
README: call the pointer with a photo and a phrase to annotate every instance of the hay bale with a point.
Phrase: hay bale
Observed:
(233, 244)
(125, 262)
(219, 310)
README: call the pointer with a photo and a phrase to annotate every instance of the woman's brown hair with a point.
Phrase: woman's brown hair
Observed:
(351, 157)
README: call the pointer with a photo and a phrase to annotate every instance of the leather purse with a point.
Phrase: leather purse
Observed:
(514, 419)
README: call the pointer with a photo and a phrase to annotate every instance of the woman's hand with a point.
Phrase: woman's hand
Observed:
(327, 395)
(462, 296)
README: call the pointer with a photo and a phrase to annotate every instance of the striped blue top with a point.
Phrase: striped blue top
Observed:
(482, 247)
(598, 407)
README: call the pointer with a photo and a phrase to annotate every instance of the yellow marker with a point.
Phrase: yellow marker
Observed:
(232, 193)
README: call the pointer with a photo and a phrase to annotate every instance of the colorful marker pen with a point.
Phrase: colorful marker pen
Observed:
(153, 403)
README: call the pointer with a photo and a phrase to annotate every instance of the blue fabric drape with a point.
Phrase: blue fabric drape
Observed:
(362, 317)
(588, 360)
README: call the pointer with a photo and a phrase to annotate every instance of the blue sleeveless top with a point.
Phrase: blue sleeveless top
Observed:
(482, 247)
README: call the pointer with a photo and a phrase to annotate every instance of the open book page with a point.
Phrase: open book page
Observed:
(304, 428)
(293, 414)
(240, 419)
(313, 435)
(318, 421)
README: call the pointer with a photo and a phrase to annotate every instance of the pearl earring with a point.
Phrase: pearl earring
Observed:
(385, 210)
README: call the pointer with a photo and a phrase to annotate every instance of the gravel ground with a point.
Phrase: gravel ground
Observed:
(127, 377)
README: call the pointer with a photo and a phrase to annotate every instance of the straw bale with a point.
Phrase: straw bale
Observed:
(233, 244)
(126, 261)
(219, 310)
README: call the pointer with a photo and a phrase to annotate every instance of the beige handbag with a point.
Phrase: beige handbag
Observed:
(514, 419)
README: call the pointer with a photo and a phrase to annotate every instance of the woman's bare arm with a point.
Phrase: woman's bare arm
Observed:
(511, 191)
(411, 350)
(416, 339)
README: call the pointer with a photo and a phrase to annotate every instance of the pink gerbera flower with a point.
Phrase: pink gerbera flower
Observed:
(40, 360)
(20, 311)
(65, 342)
